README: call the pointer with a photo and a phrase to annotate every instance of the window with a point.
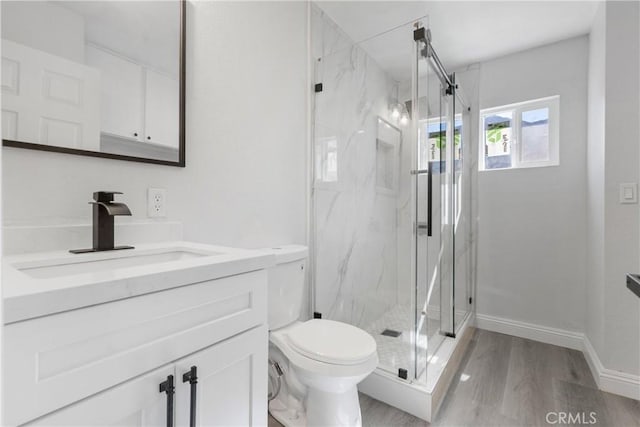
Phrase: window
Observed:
(520, 135)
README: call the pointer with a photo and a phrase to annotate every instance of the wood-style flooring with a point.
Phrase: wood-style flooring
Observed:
(506, 381)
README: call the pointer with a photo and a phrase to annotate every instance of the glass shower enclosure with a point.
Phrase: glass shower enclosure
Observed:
(391, 210)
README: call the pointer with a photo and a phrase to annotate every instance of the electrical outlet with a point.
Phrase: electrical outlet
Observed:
(157, 203)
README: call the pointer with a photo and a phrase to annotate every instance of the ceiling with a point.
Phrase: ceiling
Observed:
(463, 32)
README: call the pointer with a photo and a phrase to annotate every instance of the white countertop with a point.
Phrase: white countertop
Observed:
(26, 297)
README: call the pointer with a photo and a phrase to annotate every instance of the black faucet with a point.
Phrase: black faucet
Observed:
(104, 209)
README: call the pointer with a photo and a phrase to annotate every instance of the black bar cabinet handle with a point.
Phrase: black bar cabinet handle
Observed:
(168, 388)
(192, 378)
(429, 198)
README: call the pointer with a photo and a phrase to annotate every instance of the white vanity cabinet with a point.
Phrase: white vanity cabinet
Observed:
(230, 391)
(103, 364)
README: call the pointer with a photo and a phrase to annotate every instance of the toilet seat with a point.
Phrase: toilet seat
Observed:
(280, 338)
(332, 342)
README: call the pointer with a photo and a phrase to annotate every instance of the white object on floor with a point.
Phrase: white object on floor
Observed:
(322, 360)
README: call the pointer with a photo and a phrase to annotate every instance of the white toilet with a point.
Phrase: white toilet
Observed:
(315, 365)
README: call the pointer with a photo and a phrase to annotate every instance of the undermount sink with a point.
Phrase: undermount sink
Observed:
(89, 264)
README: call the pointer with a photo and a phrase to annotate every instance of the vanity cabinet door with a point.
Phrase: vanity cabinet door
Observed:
(231, 385)
(135, 403)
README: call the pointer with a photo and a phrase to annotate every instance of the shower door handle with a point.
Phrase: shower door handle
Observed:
(429, 197)
(429, 200)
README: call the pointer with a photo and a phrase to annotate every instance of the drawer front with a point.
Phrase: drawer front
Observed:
(53, 361)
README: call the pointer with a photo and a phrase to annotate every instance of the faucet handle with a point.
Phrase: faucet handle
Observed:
(104, 196)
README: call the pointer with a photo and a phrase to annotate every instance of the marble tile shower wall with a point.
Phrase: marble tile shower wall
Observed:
(355, 223)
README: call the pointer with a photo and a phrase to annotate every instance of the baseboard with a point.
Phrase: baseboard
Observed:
(608, 380)
(559, 337)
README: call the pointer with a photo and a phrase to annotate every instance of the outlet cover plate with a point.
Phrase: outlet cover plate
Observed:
(156, 202)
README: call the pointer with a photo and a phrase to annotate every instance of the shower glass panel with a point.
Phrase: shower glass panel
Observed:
(442, 181)
(362, 194)
(462, 213)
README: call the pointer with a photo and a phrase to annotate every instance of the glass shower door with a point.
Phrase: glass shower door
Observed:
(442, 214)
(434, 241)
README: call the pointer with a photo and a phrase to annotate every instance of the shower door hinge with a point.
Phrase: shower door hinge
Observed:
(318, 87)
(470, 300)
(421, 34)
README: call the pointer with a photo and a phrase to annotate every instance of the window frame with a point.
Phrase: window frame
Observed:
(553, 104)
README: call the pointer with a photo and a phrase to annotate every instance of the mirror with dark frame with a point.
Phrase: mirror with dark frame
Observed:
(95, 78)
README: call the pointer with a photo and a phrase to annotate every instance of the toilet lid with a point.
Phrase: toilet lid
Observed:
(332, 342)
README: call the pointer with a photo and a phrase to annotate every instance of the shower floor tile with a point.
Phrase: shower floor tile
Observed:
(397, 352)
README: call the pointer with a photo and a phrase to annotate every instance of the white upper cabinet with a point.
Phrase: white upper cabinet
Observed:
(138, 103)
(122, 93)
(161, 109)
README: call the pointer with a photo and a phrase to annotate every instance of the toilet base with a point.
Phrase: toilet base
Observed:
(286, 416)
(333, 409)
(322, 409)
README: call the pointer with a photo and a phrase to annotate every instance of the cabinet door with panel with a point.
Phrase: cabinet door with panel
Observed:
(122, 93)
(161, 109)
(135, 403)
(48, 99)
(231, 386)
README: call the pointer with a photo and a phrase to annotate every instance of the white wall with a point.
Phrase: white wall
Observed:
(532, 233)
(245, 180)
(621, 344)
(595, 181)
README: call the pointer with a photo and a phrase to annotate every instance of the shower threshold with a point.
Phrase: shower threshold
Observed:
(422, 397)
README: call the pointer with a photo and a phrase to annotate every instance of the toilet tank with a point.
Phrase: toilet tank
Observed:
(285, 288)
